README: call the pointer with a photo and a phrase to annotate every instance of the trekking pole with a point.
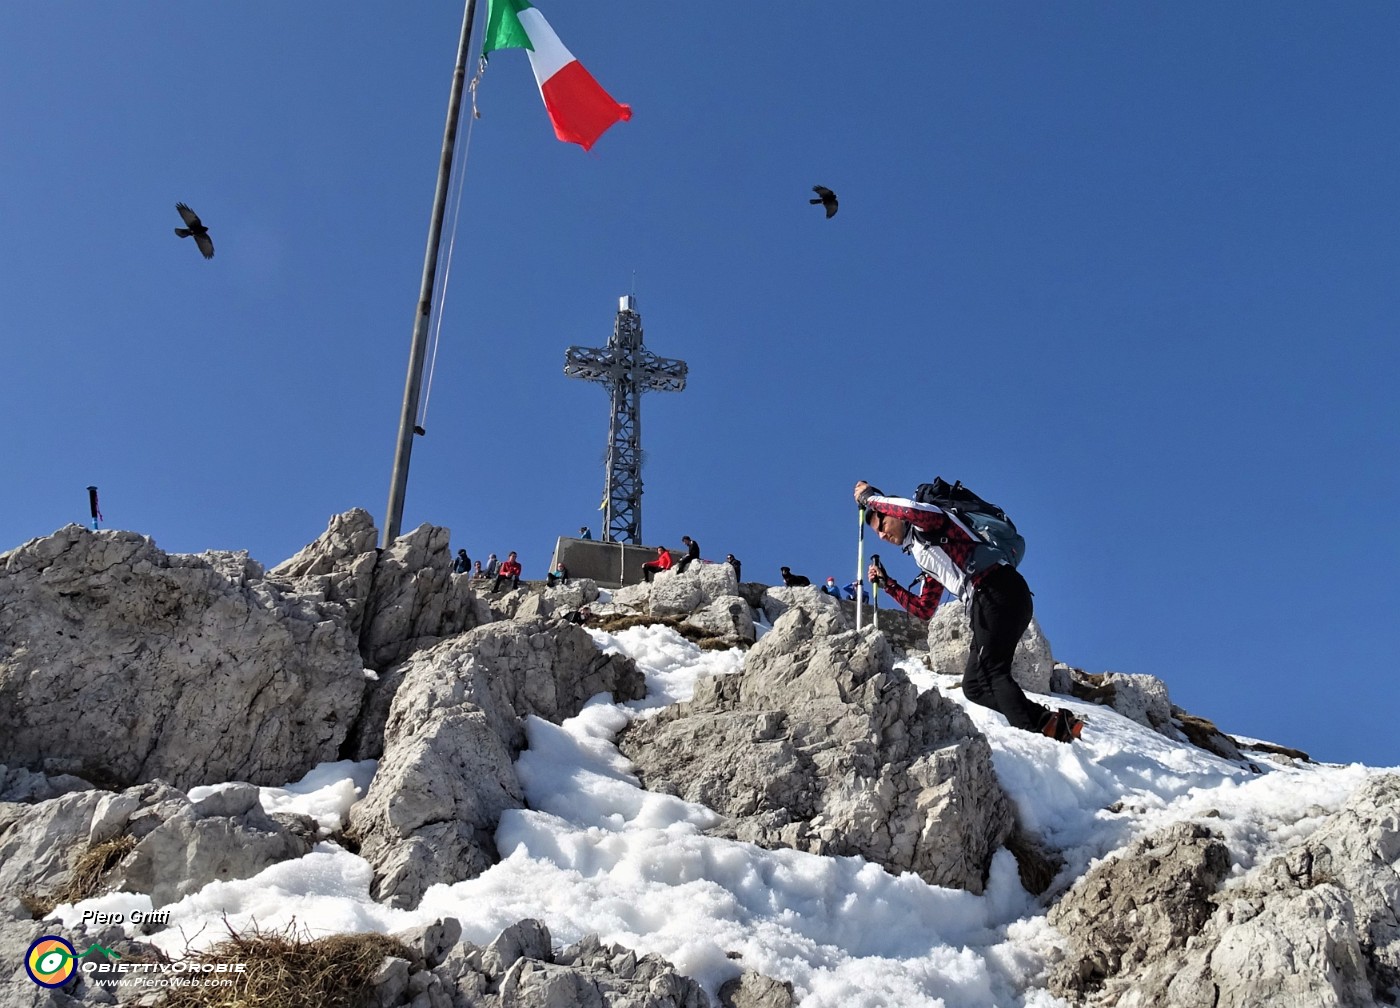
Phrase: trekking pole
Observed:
(860, 562)
(875, 589)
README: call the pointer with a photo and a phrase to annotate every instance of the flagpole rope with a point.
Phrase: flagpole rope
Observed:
(460, 183)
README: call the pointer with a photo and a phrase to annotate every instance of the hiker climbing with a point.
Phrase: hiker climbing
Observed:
(979, 567)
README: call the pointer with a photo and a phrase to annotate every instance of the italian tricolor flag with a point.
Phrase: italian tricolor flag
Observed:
(577, 105)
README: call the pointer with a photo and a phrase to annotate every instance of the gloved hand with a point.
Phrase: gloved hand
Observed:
(864, 491)
(876, 573)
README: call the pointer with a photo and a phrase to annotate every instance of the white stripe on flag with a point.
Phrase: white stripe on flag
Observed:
(549, 55)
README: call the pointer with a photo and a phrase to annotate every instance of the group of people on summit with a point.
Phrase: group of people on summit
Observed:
(958, 552)
(507, 570)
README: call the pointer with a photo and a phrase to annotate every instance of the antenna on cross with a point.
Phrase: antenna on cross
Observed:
(628, 369)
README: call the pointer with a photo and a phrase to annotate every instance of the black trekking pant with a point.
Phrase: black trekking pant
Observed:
(1000, 612)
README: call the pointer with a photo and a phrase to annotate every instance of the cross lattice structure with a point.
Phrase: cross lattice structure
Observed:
(628, 369)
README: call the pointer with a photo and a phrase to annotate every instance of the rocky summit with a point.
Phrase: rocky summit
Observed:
(155, 707)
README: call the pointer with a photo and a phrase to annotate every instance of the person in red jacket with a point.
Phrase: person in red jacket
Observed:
(653, 567)
(998, 602)
(509, 570)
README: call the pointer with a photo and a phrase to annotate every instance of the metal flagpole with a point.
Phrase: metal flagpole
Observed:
(408, 420)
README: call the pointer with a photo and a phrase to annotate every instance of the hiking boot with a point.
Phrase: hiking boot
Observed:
(1062, 725)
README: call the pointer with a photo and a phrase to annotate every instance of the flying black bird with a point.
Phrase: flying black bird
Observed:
(195, 229)
(826, 198)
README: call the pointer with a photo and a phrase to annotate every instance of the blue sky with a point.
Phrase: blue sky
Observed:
(1129, 270)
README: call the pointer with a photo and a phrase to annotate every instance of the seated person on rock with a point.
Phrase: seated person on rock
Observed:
(653, 567)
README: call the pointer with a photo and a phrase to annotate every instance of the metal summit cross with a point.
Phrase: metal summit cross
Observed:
(629, 369)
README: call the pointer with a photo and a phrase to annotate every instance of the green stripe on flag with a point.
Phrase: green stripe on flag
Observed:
(503, 27)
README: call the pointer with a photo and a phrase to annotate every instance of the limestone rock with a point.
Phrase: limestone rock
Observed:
(40, 843)
(908, 635)
(1316, 925)
(432, 941)
(1133, 910)
(453, 730)
(120, 663)
(174, 846)
(526, 939)
(396, 600)
(728, 617)
(548, 668)
(431, 813)
(187, 845)
(416, 600)
(675, 594)
(338, 566)
(533, 601)
(20, 785)
(520, 969)
(1143, 698)
(672, 593)
(819, 744)
(817, 604)
(949, 642)
(754, 990)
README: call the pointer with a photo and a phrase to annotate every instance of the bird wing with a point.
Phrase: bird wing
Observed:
(205, 245)
(830, 205)
(823, 192)
(190, 217)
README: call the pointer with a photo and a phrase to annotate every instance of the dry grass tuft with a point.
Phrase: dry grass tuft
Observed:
(1202, 733)
(614, 624)
(288, 970)
(38, 907)
(702, 639)
(1277, 750)
(84, 878)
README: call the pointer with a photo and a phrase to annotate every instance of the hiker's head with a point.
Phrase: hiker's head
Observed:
(888, 528)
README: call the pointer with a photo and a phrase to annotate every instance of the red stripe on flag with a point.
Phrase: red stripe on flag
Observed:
(578, 106)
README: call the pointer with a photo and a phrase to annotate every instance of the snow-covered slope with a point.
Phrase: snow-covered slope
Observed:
(594, 853)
